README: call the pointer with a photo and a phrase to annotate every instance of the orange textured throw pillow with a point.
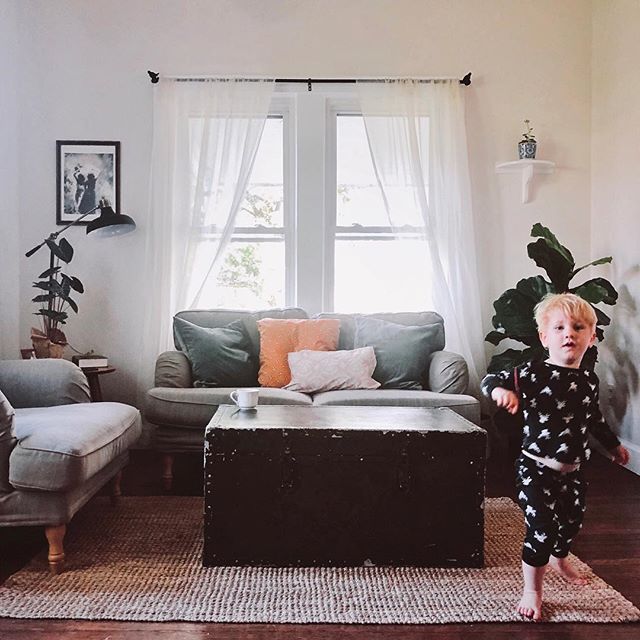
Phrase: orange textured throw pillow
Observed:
(278, 338)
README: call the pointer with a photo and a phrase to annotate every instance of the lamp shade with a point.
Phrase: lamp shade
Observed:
(110, 223)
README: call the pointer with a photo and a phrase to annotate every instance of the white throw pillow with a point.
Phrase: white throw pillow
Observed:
(315, 371)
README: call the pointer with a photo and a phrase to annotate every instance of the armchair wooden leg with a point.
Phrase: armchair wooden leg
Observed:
(167, 471)
(116, 491)
(55, 538)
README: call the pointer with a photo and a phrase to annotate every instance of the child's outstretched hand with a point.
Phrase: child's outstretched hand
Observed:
(505, 399)
(620, 455)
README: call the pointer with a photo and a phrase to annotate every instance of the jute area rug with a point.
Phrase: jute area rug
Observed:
(142, 561)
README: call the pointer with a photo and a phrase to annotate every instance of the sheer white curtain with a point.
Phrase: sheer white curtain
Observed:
(205, 138)
(417, 138)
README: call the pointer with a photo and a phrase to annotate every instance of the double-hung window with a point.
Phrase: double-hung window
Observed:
(313, 228)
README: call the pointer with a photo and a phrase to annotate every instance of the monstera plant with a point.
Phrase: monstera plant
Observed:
(514, 308)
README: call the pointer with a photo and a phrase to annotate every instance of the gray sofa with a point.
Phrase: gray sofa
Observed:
(63, 448)
(181, 412)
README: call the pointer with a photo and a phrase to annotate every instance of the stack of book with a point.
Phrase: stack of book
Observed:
(90, 361)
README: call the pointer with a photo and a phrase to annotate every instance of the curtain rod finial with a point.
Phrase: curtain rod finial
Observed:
(466, 81)
(155, 77)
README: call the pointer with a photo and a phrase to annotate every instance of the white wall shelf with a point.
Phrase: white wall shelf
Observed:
(527, 168)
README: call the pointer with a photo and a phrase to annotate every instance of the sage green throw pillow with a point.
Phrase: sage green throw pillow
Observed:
(402, 352)
(220, 357)
(7, 441)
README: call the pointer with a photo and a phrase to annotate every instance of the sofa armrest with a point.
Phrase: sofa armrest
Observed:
(173, 369)
(448, 373)
(43, 383)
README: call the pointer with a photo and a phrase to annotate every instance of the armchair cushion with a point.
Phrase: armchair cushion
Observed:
(7, 441)
(61, 447)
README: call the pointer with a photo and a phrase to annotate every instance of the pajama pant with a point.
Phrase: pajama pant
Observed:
(553, 504)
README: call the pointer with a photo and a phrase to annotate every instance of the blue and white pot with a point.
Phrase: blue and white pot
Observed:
(527, 149)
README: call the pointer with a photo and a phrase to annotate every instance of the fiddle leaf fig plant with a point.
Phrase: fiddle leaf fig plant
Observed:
(56, 287)
(513, 317)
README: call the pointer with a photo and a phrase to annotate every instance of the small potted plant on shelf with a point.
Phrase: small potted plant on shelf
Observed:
(527, 146)
(54, 299)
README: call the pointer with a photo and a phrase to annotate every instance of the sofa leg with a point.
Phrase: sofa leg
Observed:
(116, 491)
(55, 538)
(167, 471)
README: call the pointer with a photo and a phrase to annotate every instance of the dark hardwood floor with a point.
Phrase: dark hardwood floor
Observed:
(609, 542)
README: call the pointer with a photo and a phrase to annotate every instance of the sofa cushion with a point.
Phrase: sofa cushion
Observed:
(213, 318)
(278, 338)
(195, 407)
(219, 357)
(61, 447)
(315, 371)
(7, 441)
(407, 318)
(402, 352)
(467, 406)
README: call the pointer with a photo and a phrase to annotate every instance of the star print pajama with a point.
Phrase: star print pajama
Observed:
(553, 504)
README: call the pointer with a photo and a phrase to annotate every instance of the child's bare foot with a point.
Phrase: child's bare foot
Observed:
(530, 605)
(562, 566)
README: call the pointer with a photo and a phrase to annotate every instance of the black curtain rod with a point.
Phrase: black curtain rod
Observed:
(155, 77)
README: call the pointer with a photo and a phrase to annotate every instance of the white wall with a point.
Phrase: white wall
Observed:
(84, 77)
(615, 214)
(9, 211)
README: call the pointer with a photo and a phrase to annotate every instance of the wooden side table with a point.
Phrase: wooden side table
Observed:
(93, 376)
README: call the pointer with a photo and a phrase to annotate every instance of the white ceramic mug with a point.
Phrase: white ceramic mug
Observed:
(245, 398)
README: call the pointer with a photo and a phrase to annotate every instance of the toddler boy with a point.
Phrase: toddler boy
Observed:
(560, 408)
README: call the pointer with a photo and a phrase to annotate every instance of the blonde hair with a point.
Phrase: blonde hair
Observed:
(574, 306)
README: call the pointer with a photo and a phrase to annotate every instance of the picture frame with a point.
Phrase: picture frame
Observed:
(86, 172)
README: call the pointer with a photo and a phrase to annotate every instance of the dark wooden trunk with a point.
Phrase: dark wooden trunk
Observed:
(312, 495)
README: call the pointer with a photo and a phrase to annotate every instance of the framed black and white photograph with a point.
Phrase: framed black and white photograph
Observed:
(87, 172)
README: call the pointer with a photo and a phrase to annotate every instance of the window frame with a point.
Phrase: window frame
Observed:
(310, 194)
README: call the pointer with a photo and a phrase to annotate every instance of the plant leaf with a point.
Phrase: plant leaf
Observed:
(603, 318)
(76, 285)
(45, 297)
(58, 316)
(49, 272)
(606, 260)
(553, 261)
(597, 290)
(45, 286)
(535, 288)
(57, 251)
(514, 314)
(590, 357)
(495, 337)
(540, 231)
(512, 357)
(67, 249)
(71, 303)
